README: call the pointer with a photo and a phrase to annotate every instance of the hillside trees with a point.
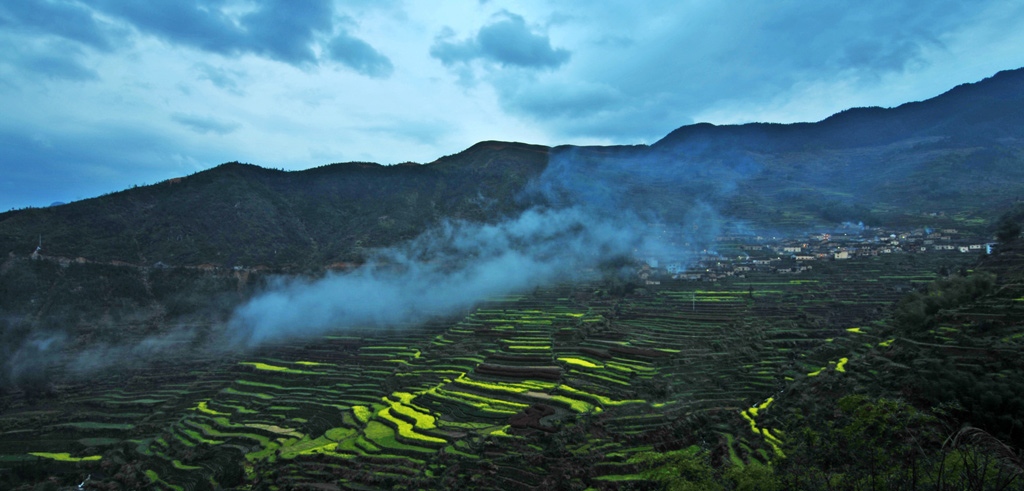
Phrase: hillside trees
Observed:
(917, 311)
(1008, 226)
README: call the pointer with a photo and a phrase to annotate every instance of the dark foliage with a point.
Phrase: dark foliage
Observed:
(1009, 225)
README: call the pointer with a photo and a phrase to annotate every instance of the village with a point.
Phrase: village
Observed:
(738, 254)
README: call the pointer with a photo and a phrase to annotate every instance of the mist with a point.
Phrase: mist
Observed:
(588, 208)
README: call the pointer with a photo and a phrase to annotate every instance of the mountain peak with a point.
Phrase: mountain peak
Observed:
(988, 108)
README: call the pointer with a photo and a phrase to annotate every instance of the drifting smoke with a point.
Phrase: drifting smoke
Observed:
(590, 208)
(106, 356)
(32, 361)
(22, 364)
(447, 269)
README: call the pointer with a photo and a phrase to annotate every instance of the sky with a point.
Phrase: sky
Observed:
(101, 95)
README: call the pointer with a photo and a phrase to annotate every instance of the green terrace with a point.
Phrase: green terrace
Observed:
(592, 381)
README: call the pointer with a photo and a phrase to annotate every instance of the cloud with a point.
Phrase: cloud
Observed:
(197, 23)
(873, 55)
(280, 30)
(47, 164)
(205, 124)
(63, 19)
(682, 59)
(580, 108)
(587, 216)
(614, 41)
(59, 66)
(558, 99)
(55, 59)
(359, 56)
(32, 356)
(506, 42)
(285, 30)
(221, 77)
(450, 268)
(420, 131)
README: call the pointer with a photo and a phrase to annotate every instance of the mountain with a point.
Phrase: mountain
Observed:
(984, 111)
(244, 214)
(122, 369)
(954, 160)
(957, 154)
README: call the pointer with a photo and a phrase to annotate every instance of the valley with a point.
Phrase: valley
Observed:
(564, 385)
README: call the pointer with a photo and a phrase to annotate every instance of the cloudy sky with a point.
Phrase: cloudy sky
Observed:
(100, 95)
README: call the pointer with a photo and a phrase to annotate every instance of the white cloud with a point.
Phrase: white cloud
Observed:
(94, 78)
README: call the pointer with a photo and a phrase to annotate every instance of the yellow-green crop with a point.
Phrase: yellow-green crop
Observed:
(65, 457)
(579, 361)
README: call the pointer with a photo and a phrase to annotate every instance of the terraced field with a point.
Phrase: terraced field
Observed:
(560, 385)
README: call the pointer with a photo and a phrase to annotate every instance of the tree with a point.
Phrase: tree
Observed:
(861, 443)
(688, 469)
(1008, 226)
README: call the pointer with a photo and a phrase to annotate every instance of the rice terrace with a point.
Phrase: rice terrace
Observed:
(829, 305)
(565, 384)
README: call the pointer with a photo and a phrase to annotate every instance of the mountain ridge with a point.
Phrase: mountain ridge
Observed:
(953, 160)
(997, 89)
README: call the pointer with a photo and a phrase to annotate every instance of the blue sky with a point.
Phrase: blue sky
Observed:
(100, 95)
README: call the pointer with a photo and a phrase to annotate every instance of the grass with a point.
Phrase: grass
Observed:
(422, 420)
(599, 398)
(362, 413)
(408, 396)
(576, 404)
(340, 433)
(66, 457)
(841, 364)
(97, 426)
(407, 430)
(480, 402)
(258, 395)
(384, 436)
(193, 434)
(179, 465)
(202, 407)
(579, 362)
(155, 479)
(275, 368)
(620, 477)
(750, 415)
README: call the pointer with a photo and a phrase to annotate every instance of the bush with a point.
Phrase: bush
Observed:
(917, 310)
(1008, 226)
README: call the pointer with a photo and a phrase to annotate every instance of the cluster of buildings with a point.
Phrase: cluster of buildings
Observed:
(739, 255)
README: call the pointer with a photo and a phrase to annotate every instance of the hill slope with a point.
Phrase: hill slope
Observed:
(954, 160)
(238, 214)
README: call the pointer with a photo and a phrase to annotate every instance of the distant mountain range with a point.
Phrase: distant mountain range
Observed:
(954, 160)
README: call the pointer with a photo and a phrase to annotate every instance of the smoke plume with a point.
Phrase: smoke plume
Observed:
(588, 207)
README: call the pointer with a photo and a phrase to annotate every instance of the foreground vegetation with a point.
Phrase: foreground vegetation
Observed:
(833, 379)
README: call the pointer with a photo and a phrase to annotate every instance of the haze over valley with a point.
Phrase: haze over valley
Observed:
(591, 290)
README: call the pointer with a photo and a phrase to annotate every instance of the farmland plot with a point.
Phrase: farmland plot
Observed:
(560, 385)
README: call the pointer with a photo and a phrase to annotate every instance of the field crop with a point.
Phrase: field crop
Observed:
(581, 379)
